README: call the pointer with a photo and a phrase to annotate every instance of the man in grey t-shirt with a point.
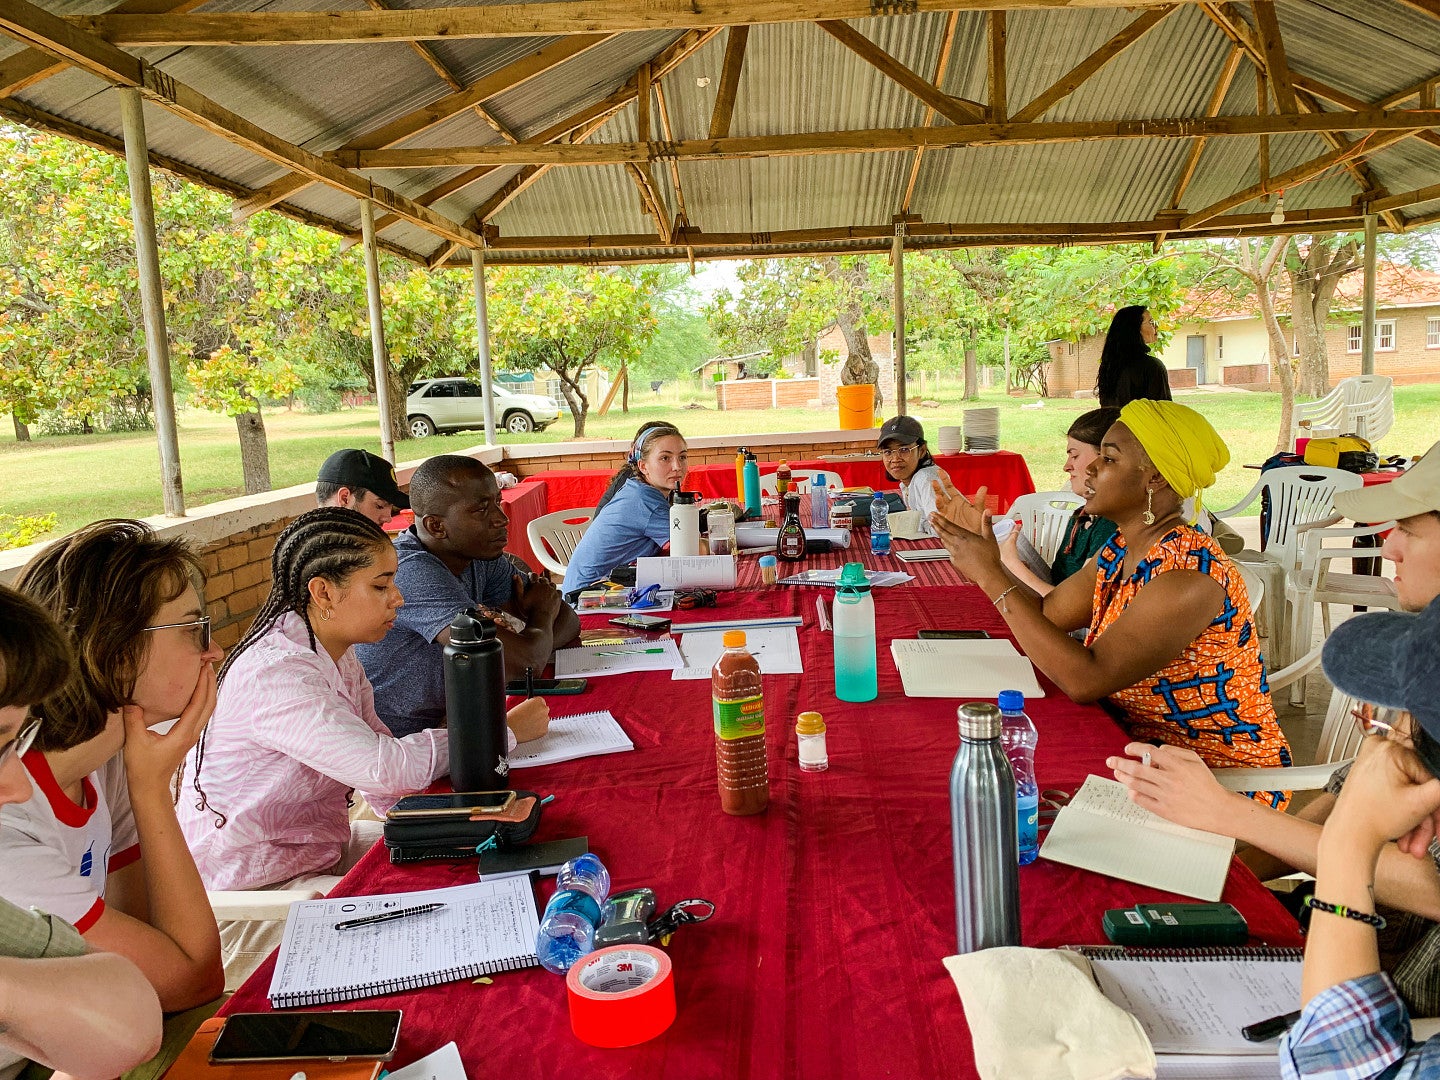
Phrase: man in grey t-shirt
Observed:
(451, 559)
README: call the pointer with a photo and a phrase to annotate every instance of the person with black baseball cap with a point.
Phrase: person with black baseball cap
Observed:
(1353, 1022)
(908, 462)
(360, 481)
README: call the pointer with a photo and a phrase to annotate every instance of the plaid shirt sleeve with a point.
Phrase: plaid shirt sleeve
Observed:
(1356, 1030)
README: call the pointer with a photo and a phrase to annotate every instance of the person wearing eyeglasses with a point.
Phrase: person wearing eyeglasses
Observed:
(99, 844)
(91, 1015)
(907, 461)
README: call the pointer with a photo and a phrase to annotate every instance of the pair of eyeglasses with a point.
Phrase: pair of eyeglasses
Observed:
(24, 739)
(201, 625)
(899, 451)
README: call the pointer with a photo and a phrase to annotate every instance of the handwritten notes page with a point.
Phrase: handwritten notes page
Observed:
(658, 655)
(1103, 831)
(586, 735)
(686, 571)
(1199, 1006)
(485, 927)
(777, 648)
(978, 668)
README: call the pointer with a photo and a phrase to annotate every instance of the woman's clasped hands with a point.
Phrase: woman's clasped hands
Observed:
(964, 527)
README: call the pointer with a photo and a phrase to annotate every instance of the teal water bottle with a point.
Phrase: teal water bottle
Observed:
(855, 675)
(752, 485)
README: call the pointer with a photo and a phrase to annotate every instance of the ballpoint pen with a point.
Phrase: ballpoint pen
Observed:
(626, 652)
(403, 913)
(1269, 1029)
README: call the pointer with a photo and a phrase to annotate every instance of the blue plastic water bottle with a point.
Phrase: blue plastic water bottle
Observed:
(1018, 736)
(567, 929)
(879, 525)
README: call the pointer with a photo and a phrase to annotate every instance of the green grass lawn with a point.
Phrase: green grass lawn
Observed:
(84, 477)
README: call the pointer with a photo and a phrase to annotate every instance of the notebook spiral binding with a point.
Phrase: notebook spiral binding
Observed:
(1217, 952)
(395, 986)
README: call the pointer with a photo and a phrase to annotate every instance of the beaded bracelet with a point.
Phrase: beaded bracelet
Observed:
(1377, 921)
(999, 601)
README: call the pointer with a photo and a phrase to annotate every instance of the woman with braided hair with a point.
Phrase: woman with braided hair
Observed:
(265, 793)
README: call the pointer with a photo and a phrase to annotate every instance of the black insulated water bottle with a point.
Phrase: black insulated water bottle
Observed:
(475, 705)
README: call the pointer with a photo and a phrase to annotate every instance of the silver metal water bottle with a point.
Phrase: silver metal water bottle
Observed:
(983, 834)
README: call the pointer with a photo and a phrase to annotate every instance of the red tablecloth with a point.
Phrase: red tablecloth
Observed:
(834, 908)
(1004, 473)
(523, 503)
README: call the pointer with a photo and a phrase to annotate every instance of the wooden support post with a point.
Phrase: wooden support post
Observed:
(1367, 320)
(614, 388)
(642, 104)
(482, 337)
(899, 260)
(152, 299)
(377, 329)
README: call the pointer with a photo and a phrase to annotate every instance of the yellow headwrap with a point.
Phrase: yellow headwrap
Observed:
(1185, 449)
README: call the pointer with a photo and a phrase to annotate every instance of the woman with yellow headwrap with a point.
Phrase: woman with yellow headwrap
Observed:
(1171, 646)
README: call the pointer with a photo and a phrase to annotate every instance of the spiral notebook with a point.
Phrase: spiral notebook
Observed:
(484, 928)
(1193, 1002)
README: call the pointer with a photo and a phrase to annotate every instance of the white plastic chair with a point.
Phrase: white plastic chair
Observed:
(1044, 517)
(1362, 404)
(258, 905)
(553, 537)
(1339, 741)
(797, 477)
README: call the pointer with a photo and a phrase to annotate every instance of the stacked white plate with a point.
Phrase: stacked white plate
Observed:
(948, 440)
(982, 431)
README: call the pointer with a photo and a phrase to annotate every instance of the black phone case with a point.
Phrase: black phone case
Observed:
(452, 838)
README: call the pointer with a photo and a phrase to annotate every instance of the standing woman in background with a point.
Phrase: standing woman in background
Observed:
(1127, 369)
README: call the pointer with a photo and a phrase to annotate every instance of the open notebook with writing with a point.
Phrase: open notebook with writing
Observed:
(1103, 831)
(486, 927)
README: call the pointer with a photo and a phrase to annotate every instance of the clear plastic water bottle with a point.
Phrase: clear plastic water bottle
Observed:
(982, 834)
(854, 633)
(879, 525)
(819, 502)
(1018, 736)
(567, 929)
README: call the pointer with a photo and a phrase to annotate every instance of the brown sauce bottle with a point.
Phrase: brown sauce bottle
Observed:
(739, 710)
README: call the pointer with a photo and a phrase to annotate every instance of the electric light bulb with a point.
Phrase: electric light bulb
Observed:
(1278, 217)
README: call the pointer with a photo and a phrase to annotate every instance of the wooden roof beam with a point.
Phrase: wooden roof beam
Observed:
(724, 111)
(1298, 175)
(995, 63)
(1349, 101)
(877, 140)
(957, 110)
(1212, 108)
(516, 20)
(37, 27)
(1276, 66)
(1428, 7)
(1423, 89)
(650, 200)
(682, 215)
(947, 43)
(1358, 170)
(1232, 24)
(1406, 198)
(1072, 79)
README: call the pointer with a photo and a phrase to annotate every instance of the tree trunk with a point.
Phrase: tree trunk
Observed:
(972, 359)
(579, 403)
(22, 430)
(625, 390)
(254, 452)
(399, 388)
(1280, 362)
(860, 366)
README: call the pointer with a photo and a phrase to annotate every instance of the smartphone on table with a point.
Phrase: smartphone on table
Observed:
(455, 804)
(648, 623)
(335, 1035)
(544, 687)
(951, 635)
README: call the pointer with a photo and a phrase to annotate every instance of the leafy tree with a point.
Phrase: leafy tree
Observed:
(570, 319)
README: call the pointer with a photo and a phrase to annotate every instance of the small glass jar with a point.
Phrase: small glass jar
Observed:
(810, 739)
(769, 570)
(842, 515)
(720, 523)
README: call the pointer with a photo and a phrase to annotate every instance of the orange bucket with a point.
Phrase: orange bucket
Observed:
(857, 406)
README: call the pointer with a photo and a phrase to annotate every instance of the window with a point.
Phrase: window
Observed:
(1353, 338)
(1295, 345)
(469, 389)
(1219, 346)
(1432, 333)
(1384, 335)
(441, 389)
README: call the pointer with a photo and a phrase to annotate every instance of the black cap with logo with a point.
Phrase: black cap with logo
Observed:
(904, 428)
(362, 469)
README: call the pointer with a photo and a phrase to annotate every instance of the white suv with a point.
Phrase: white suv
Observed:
(455, 404)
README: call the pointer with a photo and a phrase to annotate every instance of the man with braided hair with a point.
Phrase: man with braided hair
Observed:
(451, 559)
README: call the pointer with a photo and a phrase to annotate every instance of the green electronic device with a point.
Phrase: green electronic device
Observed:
(1168, 926)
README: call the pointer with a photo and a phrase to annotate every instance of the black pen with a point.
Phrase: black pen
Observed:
(403, 913)
(529, 682)
(1269, 1029)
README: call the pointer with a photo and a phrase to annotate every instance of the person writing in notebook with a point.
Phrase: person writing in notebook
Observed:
(1353, 1024)
(99, 845)
(1171, 646)
(89, 1014)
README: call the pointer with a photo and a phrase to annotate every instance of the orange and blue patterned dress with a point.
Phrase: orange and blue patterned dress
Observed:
(1213, 697)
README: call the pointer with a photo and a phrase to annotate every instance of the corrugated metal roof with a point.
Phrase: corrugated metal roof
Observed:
(796, 79)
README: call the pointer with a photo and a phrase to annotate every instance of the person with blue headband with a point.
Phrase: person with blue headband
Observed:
(633, 517)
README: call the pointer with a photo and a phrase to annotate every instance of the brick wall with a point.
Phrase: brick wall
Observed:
(1074, 366)
(237, 578)
(1410, 361)
(1181, 378)
(1254, 375)
(767, 394)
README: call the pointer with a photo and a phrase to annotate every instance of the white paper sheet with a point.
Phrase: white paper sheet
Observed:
(658, 655)
(760, 538)
(877, 578)
(443, 1064)
(978, 668)
(586, 735)
(777, 648)
(686, 572)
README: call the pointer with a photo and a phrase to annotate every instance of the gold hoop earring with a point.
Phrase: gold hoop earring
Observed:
(1149, 516)
(325, 615)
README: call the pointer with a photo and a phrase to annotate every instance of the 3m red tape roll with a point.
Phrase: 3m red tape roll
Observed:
(621, 996)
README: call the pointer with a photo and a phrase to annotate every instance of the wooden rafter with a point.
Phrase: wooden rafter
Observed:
(425, 52)
(947, 43)
(1349, 101)
(1212, 108)
(517, 20)
(496, 126)
(650, 200)
(1406, 198)
(1358, 170)
(1418, 90)
(1428, 7)
(995, 64)
(724, 111)
(1277, 69)
(876, 140)
(1232, 24)
(1306, 171)
(1072, 79)
(957, 110)
(644, 90)
(682, 215)
(37, 27)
